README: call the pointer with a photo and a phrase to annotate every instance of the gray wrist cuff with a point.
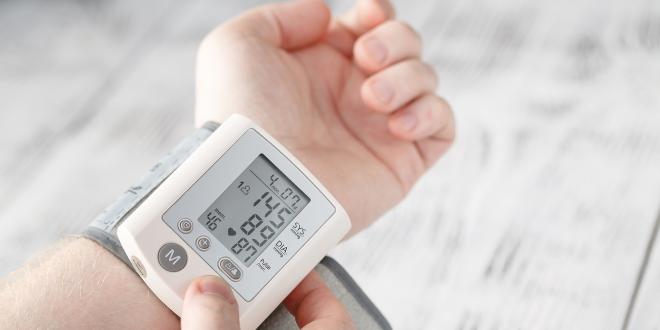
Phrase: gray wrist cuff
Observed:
(103, 229)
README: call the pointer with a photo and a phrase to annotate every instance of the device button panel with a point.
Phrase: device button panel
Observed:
(172, 257)
(230, 269)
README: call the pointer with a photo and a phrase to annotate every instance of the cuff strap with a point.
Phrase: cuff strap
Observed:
(103, 229)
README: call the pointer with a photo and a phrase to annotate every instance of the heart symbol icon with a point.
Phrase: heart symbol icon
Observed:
(231, 231)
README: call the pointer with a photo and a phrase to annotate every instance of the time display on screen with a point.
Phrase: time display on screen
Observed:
(254, 210)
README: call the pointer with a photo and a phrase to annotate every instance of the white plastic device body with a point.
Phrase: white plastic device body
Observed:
(200, 179)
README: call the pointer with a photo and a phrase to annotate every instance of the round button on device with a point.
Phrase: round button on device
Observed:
(185, 225)
(172, 257)
(229, 267)
(203, 243)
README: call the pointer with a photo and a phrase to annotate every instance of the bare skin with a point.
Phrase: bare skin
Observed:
(348, 95)
(317, 90)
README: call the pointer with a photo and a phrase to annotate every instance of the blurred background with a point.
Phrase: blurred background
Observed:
(542, 216)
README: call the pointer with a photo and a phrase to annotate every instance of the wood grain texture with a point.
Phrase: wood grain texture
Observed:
(540, 217)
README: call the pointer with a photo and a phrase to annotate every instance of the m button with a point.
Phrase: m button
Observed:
(172, 257)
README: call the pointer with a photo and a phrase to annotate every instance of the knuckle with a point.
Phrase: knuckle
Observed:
(390, 12)
(429, 108)
(407, 30)
(443, 104)
(424, 70)
(432, 107)
(439, 107)
(431, 73)
(446, 119)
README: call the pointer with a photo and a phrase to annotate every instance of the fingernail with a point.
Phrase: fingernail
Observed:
(383, 91)
(214, 285)
(376, 50)
(407, 121)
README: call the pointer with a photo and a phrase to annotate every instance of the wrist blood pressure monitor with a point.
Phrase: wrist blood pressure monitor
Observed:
(242, 207)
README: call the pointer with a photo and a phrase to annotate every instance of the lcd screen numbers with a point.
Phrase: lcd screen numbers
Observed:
(254, 210)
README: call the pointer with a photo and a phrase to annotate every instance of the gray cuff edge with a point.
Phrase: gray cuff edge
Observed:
(359, 295)
(108, 242)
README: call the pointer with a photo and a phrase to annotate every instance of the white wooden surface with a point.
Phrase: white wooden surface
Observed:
(541, 217)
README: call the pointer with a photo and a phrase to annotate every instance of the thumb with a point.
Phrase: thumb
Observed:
(209, 304)
(287, 25)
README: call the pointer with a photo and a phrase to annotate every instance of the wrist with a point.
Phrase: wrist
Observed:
(79, 284)
(121, 290)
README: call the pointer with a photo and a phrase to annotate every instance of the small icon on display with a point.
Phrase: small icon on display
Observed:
(231, 231)
(245, 188)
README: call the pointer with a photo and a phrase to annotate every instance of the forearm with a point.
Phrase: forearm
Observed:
(78, 284)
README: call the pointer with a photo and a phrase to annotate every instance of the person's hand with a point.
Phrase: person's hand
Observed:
(210, 304)
(349, 96)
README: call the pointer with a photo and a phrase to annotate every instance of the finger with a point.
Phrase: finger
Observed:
(429, 121)
(398, 84)
(362, 17)
(428, 116)
(388, 43)
(432, 148)
(209, 304)
(365, 15)
(315, 306)
(340, 38)
(287, 25)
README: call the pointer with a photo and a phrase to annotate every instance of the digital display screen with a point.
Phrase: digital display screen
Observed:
(254, 210)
